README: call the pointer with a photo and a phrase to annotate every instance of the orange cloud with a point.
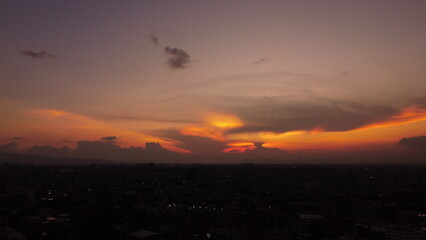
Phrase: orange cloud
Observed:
(203, 132)
(49, 125)
(240, 144)
(213, 126)
(408, 123)
(239, 147)
(408, 115)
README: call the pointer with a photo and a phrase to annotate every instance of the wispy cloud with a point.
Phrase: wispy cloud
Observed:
(37, 55)
(154, 40)
(262, 60)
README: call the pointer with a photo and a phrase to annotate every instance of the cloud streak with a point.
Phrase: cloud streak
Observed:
(37, 55)
(154, 40)
(110, 138)
(262, 60)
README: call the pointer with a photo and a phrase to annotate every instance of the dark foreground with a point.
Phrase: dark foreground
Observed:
(212, 202)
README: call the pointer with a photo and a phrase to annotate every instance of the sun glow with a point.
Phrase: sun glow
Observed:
(240, 144)
(223, 120)
(213, 126)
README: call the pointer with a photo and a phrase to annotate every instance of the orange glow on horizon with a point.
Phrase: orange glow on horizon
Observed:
(51, 126)
(55, 125)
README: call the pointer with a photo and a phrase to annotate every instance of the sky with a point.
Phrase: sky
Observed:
(212, 78)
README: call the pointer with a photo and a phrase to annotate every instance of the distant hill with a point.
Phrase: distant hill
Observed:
(16, 158)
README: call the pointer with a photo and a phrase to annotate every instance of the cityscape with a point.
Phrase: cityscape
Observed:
(247, 201)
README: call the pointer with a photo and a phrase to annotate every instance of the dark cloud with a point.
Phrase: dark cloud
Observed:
(37, 55)
(213, 150)
(109, 138)
(201, 145)
(67, 141)
(107, 150)
(177, 58)
(97, 149)
(415, 142)
(284, 114)
(17, 138)
(261, 152)
(50, 151)
(153, 147)
(8, 147)
(195, 144)
(420, 102)
(262, 60)
(154, 39)
(203, 149)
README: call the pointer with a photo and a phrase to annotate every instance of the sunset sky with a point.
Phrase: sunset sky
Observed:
(206, 77)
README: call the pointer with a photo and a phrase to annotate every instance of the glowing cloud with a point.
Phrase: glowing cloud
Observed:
(213, 126)
(223, 121)
(408, 115)
(239, 147)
